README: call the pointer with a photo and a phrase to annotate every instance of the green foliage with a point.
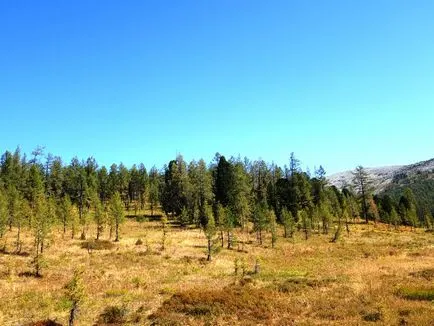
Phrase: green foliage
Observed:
(3, 213)
(273, 227)
(117, 212)
(75, 290)
(288, 223)
(260, 220)
(210, 231)
(113, 315)
(417, 293)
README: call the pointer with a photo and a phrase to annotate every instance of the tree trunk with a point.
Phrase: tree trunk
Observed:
(117, 232)
(18, 247)
(72, 314)
(209, 249)
(229, 240)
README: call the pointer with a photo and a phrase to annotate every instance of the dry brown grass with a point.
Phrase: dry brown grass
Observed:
(365, 278)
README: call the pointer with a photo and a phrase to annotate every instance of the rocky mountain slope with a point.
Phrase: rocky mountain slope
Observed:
(384, 178)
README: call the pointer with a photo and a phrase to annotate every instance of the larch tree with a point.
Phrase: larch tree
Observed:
(65, 212)
(75, 294)
(154, 189)
(260, 221)
(3, 213)
(240, 195)
(362, 184)
(41, 227)
(288, 223)
(117, 212)
(273, 227)
(210, 231)
(98, 215)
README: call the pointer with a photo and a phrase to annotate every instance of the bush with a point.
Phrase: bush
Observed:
(139, 242)
(47, 322)
(113, 315)
(97, 245)
(372, 316)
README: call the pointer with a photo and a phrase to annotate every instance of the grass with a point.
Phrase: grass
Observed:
(424, 294)
(374, 276)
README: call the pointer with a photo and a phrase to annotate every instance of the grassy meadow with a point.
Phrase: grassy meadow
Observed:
(374, 275)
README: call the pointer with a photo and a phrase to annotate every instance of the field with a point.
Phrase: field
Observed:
(371, 276)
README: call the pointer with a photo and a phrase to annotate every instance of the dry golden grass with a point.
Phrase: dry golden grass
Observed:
(375, 275)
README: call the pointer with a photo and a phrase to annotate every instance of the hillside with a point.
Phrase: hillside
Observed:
(387, 177)
(392, 180)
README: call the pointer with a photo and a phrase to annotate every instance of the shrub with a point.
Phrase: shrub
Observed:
(113, 315)
(97, 245)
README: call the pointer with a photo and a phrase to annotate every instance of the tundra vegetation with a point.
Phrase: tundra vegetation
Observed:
(232, 242)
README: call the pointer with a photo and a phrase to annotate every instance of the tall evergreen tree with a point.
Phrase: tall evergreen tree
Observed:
(362, 184)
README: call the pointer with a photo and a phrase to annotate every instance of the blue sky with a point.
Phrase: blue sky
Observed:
(340, 83)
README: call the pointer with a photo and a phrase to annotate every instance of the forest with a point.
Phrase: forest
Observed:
(232, 192)
(41, 195)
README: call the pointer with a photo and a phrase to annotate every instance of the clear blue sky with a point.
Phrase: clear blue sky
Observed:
(340, 83)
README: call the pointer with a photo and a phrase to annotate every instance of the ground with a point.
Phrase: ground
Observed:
(373, 275)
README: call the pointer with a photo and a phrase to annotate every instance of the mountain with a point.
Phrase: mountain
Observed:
(387, 177)
(392, 180)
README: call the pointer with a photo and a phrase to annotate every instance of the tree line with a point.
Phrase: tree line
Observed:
(42, 191)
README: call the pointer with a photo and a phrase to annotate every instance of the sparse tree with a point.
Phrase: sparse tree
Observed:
(288, 223)
(164, 232)
(154, 188)
(75, 294)
(273, 227)
(98, 215)
(210, 231)
(117, 212)
(362, 184)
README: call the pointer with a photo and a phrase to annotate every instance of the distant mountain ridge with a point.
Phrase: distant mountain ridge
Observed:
(384, 178)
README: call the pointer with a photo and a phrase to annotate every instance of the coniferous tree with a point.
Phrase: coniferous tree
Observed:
(305, 223)
(74, 220)
(394, 218)
(239, 195)
(75, 294)
(65, 212)
(3, 213)
(273, 227)
(362, 183)
(288, 223)
(260, 220)
(98, 215)
(154, 188)
(117, 213)
(210, 231)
